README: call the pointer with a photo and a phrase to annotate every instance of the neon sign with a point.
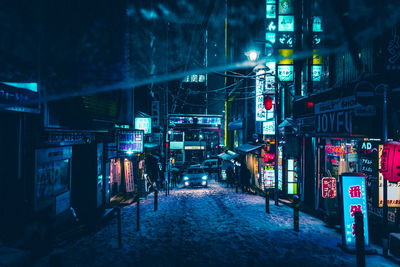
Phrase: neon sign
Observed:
(335, 150)
(269, 157)
(354, 198)
(329, 187)
(143, 124)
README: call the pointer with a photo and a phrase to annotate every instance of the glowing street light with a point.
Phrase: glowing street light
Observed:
(252, 55)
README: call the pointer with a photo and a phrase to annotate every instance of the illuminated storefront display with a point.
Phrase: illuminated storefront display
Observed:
(143, 124)
(354, 198)
(130, 141)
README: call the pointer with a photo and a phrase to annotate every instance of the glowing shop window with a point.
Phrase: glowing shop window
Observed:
(271, 12)
(285, 7)
(316, 73)
(317, 24)
(271, 37)
(286, 23)
(285, 73)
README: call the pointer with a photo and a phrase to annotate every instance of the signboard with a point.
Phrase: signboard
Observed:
(286, 23)
(329, 187)
(130, 141)
(21, 97)
(261, 112)
(280, 168)
(393, 189)
(368, 158)
(129, 178)
(268, 176)
(143, 124)
(353, 198)
(285, 73)
(316, 73)
(269, 128)
(292, 177)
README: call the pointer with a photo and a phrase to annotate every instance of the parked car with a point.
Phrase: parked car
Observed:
(195, 176)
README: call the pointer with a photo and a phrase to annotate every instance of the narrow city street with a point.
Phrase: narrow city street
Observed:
(212, 226)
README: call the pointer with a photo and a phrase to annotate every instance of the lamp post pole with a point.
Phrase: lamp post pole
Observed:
(276, 173)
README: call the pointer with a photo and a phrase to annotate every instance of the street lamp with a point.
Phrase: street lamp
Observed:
(252, 55)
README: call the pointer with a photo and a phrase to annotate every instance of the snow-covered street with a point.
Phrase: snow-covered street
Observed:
(211, 226)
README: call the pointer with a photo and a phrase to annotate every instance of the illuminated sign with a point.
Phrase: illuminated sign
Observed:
(271, 26)
(285, 7)
(390, 162)
(292, 176)
(286, 40)
(271, 37)
(268, 175)
(354, 198)
(335, 150)
(143, 124)
(286, 23)
(285, 73)
(130, 141)
(317, 24)
(269, 128)
(194, 147)
(316, 73)
(21, 97)
(280, 169)
(393, 189)
(287, 56)
(329, 187)
(268, 157)
(271, 12)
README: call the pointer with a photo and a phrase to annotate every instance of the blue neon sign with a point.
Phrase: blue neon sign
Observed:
(354, 198)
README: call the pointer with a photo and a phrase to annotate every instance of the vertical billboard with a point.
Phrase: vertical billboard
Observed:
(353, 198)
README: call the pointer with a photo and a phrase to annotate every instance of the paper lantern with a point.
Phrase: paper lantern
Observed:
(390, 162)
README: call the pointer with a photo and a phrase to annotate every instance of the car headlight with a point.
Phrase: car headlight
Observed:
(185, 178)
(204, 177)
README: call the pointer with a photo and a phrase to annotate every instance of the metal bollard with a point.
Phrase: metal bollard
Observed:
(155, 200)
(138, 215)
(296, 207)
(267, 201)
(360, 242)
(119, 227)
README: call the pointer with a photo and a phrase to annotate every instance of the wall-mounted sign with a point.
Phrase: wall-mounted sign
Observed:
(269, 157)
(285, 73)
(316, 73)
(271, 37)
(271, 26)
(22, 97)
(329, 187)
(317, 24)
(285, 7)
(269, 128)
(271, 12)
(335, 150)
(194, 147)
(353, 198)
(286, 23)
(143, 124)
(130, 141)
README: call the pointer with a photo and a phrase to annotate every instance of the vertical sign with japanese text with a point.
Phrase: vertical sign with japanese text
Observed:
(354, 198)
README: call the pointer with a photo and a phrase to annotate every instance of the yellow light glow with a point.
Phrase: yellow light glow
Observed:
(287, 55)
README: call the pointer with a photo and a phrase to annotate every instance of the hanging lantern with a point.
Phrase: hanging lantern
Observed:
(390, 162)
(267, 102)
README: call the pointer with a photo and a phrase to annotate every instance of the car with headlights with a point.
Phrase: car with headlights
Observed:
(195, 176)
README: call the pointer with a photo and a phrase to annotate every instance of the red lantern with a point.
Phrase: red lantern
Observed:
(267, 102)
(390, 162)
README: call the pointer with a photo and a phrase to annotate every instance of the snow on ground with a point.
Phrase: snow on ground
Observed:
(211, 226)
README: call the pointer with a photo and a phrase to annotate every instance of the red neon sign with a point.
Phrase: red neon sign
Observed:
(269, 157)
(336, 150)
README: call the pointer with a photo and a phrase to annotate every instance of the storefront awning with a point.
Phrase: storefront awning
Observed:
(247, 148)
(228, 155)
